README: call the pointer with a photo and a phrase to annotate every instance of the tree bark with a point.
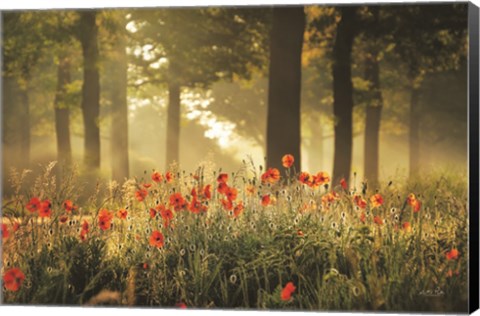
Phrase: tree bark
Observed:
(173, 122)
(283, 117)
(90, 88)
(24, 130)
(62, 113)
(119, 131)
(343, 94)
(414, 136)
(373, 110)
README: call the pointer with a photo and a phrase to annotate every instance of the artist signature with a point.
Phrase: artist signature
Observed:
(432, 293)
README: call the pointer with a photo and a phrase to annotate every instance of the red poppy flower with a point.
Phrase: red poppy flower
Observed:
(167, 216)
(266, 200)
(287, 161)
(13, 279)
(320, 179)
(145, 266)
(85, 226)
(157, 177)
(222, 188)
(153, 213)
(147, 185)
(193, 193)
(63, 219)
(378, 220)
(300, 233)
(69, 206)
(34, 204)
(344, 184)
(4, 231)
(376, 200)
(414, 202)
(177, 201)
(45, 209)
(272, 175)
(156, 239)
(287, 291)
(452, 254)
(16, 226)
(195, 206)
(406, 226)
(222, 178)
(227, 204)
(122, 214)
(305, 178)
(360, 202)
(105, 219)
(181, 305)
(231, 193)
(206, 191)
(169, 177)
(141, 194)
(238, 209)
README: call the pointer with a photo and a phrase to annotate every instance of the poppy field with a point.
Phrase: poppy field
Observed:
(259, 238)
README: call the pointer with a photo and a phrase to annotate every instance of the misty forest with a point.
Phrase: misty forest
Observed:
(303, 157)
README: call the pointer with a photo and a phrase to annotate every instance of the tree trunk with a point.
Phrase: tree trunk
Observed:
(343, 94)
(173, 123)
(62, 113)
(119, 131)
(24, 130)
(90, 88)
(373, 110)
(414, 136)
(283, 117)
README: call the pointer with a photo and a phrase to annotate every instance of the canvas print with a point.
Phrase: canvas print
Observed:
(305, 157)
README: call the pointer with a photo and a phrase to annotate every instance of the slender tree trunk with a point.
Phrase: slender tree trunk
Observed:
(343, 94)
(414, 136)
(90, 88)
(373, 110)
(24, 130)
(119, 131)
(62, 113)
(283, 117)
(173, 123)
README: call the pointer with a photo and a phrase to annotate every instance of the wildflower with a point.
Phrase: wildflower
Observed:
(378, 220)
(157, 177)
(68, 206)
(320, 179)
(16, 226)
(363, 217)
(376, 200)
(147, 185)
(287, 291)
(177, 201)
(45, 209)
(13, 279)
(222, 178)
(272, 175)
(169, 177)
(181, 305)
(63, 219)
(153, 213)
(305, 178)
(195, 206)
(122, 214)
(141, 194)
(4, 231)
(360, 202)
(452, 254)
(250, 189)
(406, 226)
(287, 161)
(33, 205)
(344, 184)
(222, 188)
(156, 239)
(145, 266)
(300, 233)
(206, 192)
(105, 219)
(227, 204)
(231, 194)
(167, 216)
(238, 209)
(414, 202)
(266, 200)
